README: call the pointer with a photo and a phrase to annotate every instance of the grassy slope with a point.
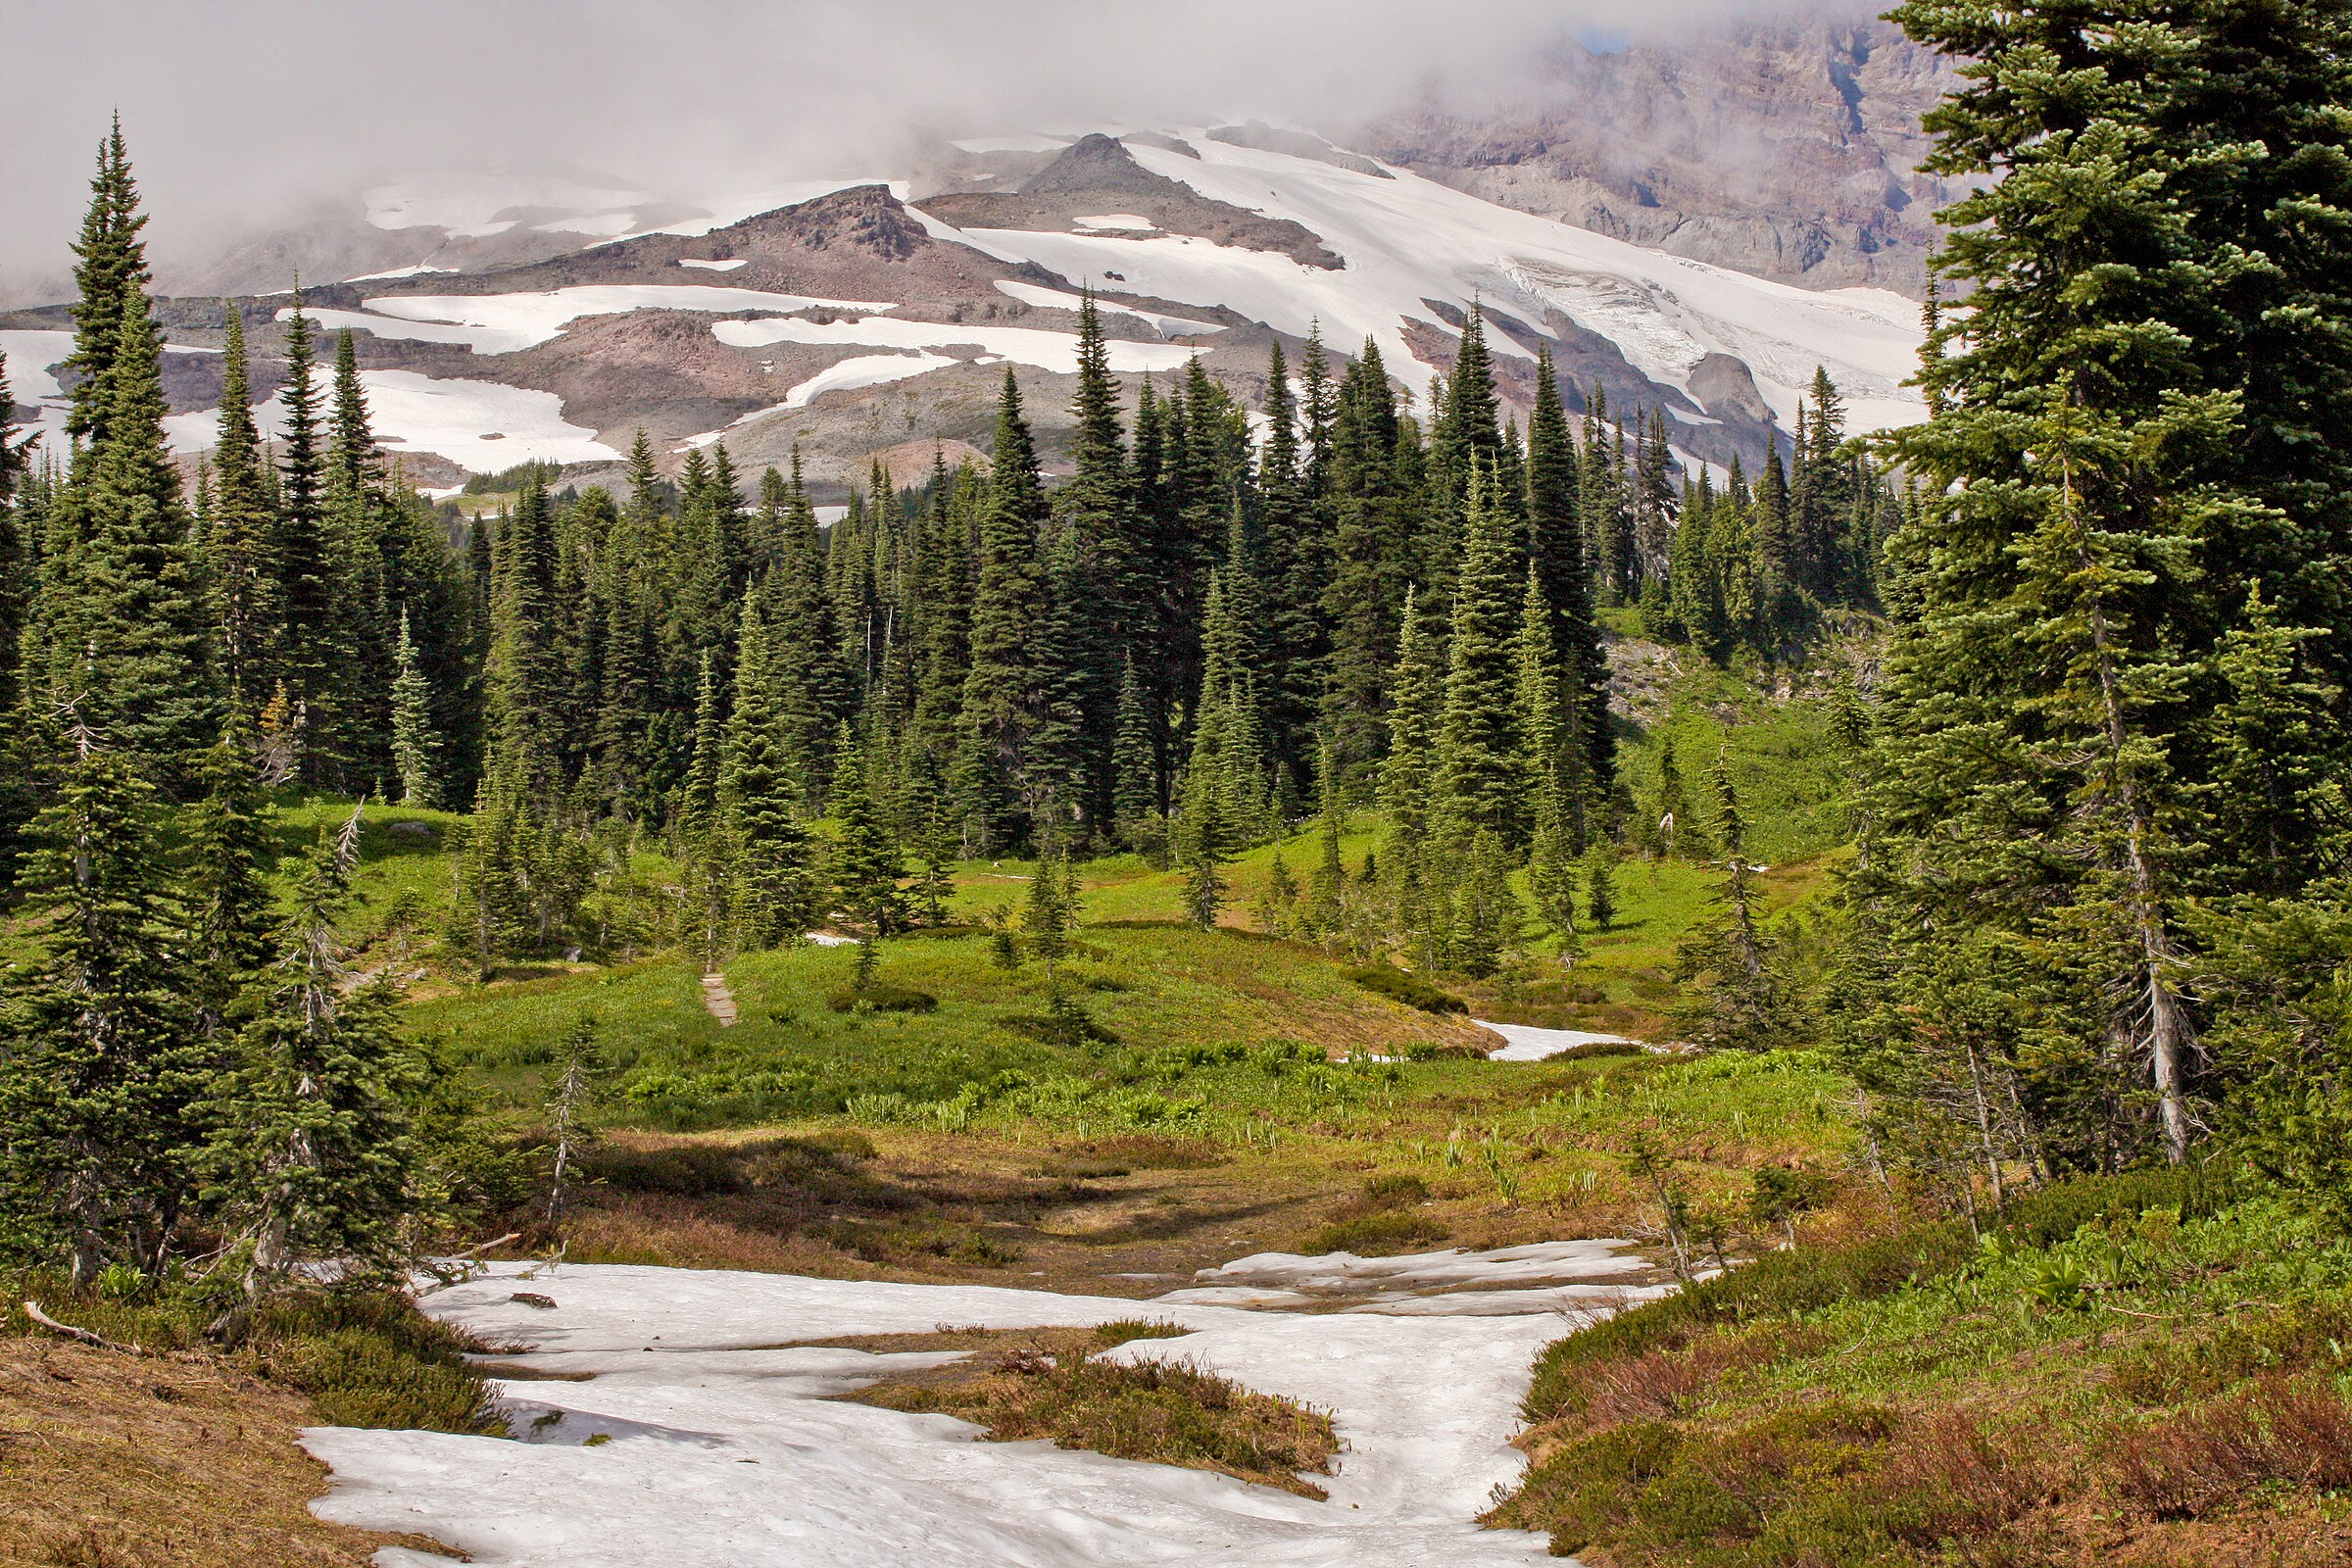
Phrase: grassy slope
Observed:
(2129, 1373)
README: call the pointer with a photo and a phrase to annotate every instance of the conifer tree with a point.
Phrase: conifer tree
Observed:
(307, 556)
(1601, 883)
(761, 801)
(867, 861)
(109, 271)
(1136, 799)
(705, 849)
(242, 535)
(94, 1090)
(1732, 996)
(230, 851)
(1202, 835)
(416, 748)
(1488, 924)
(127, 629)
(310, 1150)
(1480, 780)
(1002, 695)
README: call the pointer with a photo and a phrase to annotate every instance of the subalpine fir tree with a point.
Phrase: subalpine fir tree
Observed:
(1732, 995)
(2088, 463)
(230, 851)
(95, 1088)
(109, 271)
(1563, 558)
(130, 594)
(361, 519)
(1481, 782)
(416, 748)
(241, 538)
(704, 850)
(1327, 885)
(525, 678)
(1277, 909)
(1488, 923)
(1370, 569)
(2277, 799)
(1406, 776)
(1601, 883)
(868, 862)
(311, 1155)
(1136, 800)
(1549, 755)
(308, 556)
(761, 803)
(1203, 837)
(1002, 696)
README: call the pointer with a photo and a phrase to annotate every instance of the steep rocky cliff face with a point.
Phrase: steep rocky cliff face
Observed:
(1787, 149)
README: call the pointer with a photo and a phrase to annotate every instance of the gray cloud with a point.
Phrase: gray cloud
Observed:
(244, 114)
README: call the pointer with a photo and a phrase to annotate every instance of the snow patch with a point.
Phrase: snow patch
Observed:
(727, 266)
(1118, 221)
(1011, 144)
(1054, 298)
(867, 370)
(480, 427)
(1026, 345)
(535, 318)
(1529, 1044)
(469, 204)
(419, 271)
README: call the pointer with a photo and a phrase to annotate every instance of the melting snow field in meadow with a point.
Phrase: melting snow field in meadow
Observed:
(1529, 1044)
(722, 1447)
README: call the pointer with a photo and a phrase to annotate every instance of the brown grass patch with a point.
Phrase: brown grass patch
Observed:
(1049, 1384)
(118, 1461)
(2280, 1429)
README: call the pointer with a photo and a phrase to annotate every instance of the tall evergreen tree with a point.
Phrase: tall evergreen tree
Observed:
(1480, 783)
(1003, 699)
(775, 898)
(95, 1089)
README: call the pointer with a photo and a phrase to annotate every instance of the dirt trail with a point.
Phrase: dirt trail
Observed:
(719, 999)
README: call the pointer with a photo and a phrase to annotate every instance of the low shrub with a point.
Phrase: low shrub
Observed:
(1382, 1234)
(882, 998)
(1399, 985)
(1394, 1188)
(1593, 1049)
(2295, 1430)
(1775, 1284)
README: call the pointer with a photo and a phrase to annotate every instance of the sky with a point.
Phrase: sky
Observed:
(243, 114)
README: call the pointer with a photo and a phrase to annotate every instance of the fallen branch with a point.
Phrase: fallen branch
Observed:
(32, 1310)
(465, 1261)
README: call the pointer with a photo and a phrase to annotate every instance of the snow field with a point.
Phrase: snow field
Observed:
(724, 1449)
(481, 427)
(1529, 1044)
(1024, 345)
(1407, 240)
(34, 355)
(1062, 299)
(523, 319)
(864, 371)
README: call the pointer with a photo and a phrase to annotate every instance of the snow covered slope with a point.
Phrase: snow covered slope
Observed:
(1410, 243)
(855, 321)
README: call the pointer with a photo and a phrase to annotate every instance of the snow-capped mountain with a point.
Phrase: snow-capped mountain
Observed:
(864, 320)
